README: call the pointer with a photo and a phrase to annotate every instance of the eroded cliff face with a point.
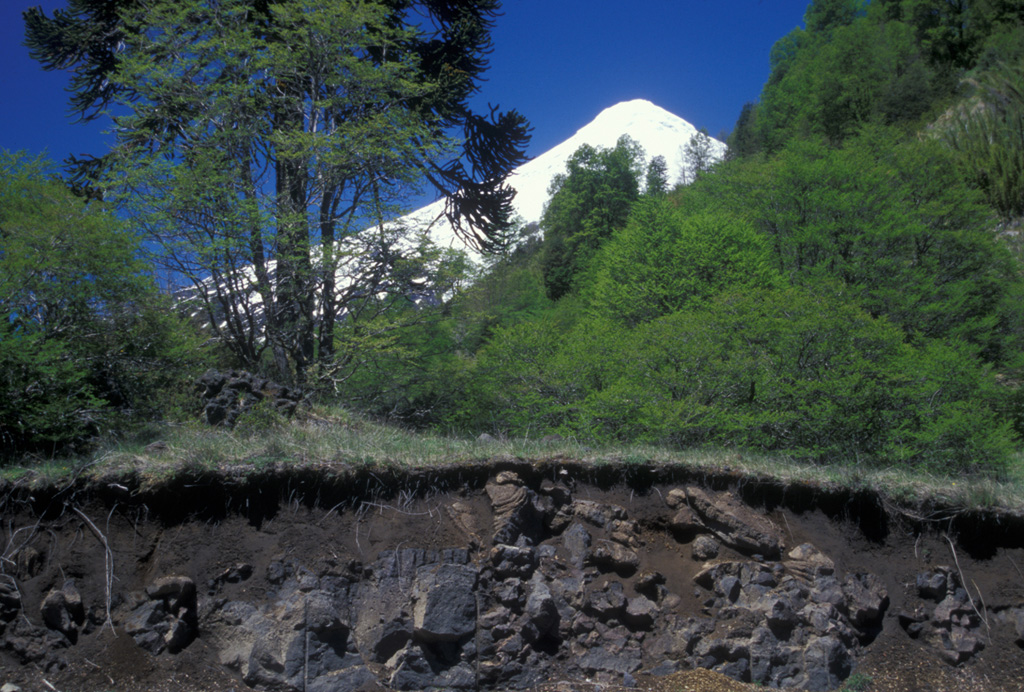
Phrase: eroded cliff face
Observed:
(500, 576)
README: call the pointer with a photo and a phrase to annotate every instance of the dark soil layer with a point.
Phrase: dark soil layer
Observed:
(235, 537)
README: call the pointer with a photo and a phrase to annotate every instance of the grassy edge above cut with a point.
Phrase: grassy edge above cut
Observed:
(333, 440)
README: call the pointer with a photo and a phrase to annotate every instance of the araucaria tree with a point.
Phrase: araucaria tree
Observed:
(257, 141)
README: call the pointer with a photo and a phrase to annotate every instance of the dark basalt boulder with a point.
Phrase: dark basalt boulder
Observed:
(953, 625)
(166, 616)
(62, 610)
(227, 395)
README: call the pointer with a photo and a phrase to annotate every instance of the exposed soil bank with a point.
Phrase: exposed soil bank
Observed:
(502, 574)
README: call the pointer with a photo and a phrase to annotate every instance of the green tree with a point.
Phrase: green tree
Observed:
(698, 156)
(823, 16)
(834, 83)
(534, 382)
(898, 226)
(83, 332)
(656, 180)
(743, 141)
(260, 139)
(802, 371)
(948, 30)
(588, 203)
(894, 62)
(668, 259)
(511, 290)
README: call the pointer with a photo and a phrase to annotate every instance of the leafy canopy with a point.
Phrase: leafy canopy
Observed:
(670, 258)
(888, 62)
(260, 140)
(83, 332)
(589, 202)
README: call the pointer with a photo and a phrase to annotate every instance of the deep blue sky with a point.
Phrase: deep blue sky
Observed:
(559, 62)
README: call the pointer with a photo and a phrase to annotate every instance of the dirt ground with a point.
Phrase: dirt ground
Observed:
(201, 533)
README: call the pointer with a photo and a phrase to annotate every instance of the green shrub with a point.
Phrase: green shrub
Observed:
(787, 370)
(259, 419)
(87, 344)
(668, 259)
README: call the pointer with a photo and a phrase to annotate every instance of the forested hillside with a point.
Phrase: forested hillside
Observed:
(847, 286)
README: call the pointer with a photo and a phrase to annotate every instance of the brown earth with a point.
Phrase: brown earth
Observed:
(204, 526)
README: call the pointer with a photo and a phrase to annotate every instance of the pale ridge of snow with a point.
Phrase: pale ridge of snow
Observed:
(658, 131)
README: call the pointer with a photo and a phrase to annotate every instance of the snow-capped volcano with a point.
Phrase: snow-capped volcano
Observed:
(659, 132)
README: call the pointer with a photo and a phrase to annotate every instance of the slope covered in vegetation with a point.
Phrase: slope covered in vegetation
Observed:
(846, 287)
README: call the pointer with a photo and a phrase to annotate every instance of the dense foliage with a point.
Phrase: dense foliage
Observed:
(85, 339)
(261, 146)
(589, 202)
(908, 239)
(670, 258)
(849, 301)
(889, 62)
(830, 303)
(842, 288)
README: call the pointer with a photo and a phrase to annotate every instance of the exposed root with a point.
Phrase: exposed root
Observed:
(1015, 567)
(956, 560)
(330, 512)
(108, 561)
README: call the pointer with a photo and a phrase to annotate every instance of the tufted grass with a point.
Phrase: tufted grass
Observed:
(335, 438)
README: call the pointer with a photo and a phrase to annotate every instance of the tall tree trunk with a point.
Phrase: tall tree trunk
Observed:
(295, 297)
(328, 299)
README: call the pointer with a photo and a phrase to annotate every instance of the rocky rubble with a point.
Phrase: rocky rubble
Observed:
(227, 395)
(560, 581)
(555, 582)
(949, 621)
(164, 617)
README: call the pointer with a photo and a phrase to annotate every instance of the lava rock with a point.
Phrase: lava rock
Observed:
(513, 561)
(62, 609)
(648, 583)
(614, 557)
(958, 644)
(176, 591)
(1018, 621)
(516, 515)
(541, 612)
(866, 600)
(10, 601)
(227, 395)
(607, 602)
(934, 585)
(577, 541)
(596, 513)
(640, 613)
(808, 563)
(704, 548)
(445, 608)
(734, 523)
(685, 523)
(827, 663)
(147, 624)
